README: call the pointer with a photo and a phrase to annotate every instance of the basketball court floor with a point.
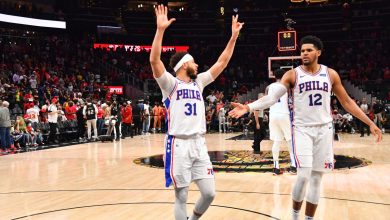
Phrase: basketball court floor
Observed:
(102, 181)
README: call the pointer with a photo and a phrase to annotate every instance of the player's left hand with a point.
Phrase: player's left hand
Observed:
(238, 111)
(236, 26)
(376, 132)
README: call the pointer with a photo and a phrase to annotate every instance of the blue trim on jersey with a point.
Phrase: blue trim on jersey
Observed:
(294, 163)
(167, 102)
(293, 149)
(168, 158)
(174, 89)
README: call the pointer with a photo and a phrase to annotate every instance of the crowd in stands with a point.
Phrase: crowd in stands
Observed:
(42, 73)
(46, 74)
(38, 69)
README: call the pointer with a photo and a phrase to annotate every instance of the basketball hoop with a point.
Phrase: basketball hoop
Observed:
(284, 62)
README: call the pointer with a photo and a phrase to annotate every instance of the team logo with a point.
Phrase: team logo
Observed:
(329, 166)
(210, 171)
(246, 161)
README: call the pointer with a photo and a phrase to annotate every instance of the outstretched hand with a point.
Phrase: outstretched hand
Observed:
(238, 111)
(236, 26)
(162, 17)
(376, 132)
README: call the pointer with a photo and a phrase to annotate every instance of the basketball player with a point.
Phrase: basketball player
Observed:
(311, 85)
(279, 125)
(186, 157)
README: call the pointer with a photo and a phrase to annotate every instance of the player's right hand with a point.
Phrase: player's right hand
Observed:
(162, 17)
(236, 26)
(376, 132)
(238, 111)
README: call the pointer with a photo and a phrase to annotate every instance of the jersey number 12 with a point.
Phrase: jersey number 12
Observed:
(315, 99)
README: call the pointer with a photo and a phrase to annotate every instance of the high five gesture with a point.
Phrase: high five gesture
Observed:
(224, 58)
(163, 23)
(236, 26)
(162, 17)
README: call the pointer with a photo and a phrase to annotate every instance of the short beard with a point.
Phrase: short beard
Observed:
(191, 73)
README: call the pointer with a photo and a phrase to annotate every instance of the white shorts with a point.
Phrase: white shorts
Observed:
(186, 160)
(280, 127)
(313, 146)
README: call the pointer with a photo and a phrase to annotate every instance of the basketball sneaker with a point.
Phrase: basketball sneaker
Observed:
(292, 170)
(277, 172)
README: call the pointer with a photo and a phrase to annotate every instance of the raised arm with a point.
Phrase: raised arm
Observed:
(155, 55)
(224, 58)
(286, 83)
(350, 106)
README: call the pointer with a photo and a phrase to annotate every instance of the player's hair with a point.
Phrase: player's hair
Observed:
(310, 39)
(279, 73)
(176, 58)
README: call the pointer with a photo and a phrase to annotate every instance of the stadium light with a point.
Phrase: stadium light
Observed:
(32, 21)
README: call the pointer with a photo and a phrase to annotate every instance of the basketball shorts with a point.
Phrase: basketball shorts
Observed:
(279, 127)
(313, 146)
(186, 160)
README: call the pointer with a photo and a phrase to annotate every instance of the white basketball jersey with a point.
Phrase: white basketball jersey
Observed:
(311, 97)
(185, 106)
(280, 107)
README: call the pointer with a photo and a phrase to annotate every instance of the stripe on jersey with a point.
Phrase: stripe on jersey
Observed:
(169, 155)
(294, 150)
(296, 80)
(296, 161)
(167, 103)
(173, 90)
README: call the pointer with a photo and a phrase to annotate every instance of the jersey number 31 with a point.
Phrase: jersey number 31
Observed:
(191, 109)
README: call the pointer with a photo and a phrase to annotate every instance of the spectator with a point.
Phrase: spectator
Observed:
(211, 98)
(222, 119)
(33, 116)
(366, 109)
(35, 135)
(61, 114)
(156, 118)
(70, 111)
(21, 128)
(162, 114)
(146, 119)
(114, 117)
(53, 120)
(137, 117)
(127, 113)
(100, 118)
(5, 126)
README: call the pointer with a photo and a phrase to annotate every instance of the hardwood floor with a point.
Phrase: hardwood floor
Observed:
(100, 181)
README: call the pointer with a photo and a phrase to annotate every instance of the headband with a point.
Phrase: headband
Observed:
(183, 60)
